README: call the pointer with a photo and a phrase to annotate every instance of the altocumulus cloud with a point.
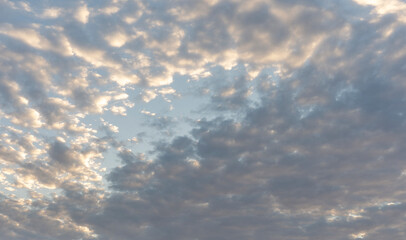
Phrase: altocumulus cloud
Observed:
(206, 119)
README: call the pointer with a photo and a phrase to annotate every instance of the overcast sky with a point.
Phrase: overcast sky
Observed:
(202, 119)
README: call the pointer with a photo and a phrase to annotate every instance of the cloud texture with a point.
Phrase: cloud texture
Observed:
(206, 119)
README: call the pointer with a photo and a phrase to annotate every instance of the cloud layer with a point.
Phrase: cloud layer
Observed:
(202, 119)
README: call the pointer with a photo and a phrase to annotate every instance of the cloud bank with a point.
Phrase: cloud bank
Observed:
(208, 119)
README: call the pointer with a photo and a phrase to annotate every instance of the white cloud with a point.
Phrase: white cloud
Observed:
(28, 118)
(51, 13)
(119, 110)
(82, 14)
(149, 95)
(116, 39)
(27, 35)
(386, 7)
(148, 113)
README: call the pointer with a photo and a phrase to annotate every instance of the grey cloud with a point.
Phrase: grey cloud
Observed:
(84, 99)
(229, 89)
(165, 125)
(279, 168)
(54, 111)
(211, 33)
(41, 172)
(319, 155)
(179, 149)
(246, 175)
(60, 154)
(22, 222)
(257, 22)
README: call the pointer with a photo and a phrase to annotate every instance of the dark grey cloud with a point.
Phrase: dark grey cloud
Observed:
(321, 155)
(60, 154)
(270, 172)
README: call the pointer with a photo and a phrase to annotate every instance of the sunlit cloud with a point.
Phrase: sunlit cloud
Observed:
(206, 119)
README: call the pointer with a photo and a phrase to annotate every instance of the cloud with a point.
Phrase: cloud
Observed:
(82, 14)
(276, 167)
(286, 119)
(329, 143)
(20, 220)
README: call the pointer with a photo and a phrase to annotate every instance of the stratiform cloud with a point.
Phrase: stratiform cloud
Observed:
(206, 119)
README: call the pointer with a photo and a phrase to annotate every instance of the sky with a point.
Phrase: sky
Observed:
(202, 119)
